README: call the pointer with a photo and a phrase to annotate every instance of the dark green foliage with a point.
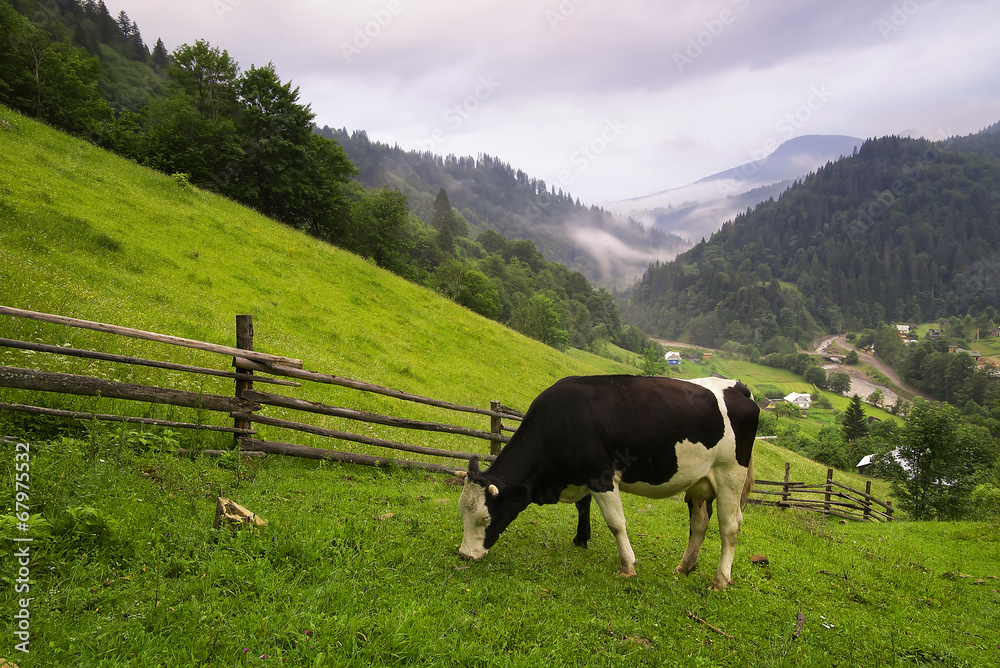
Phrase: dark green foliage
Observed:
(938, 462)
(653, 363)
(906, 229)
(838, 382)
(855, 421)
(51, 80)
(538, 317)
(492, 196)
(376, 230)
(815, 375)
(830, 448)
(444, 222)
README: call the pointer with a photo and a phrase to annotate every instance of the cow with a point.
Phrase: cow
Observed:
(596, 436)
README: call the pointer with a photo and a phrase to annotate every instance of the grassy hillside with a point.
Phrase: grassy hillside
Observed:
(359, 566)
(88, 235)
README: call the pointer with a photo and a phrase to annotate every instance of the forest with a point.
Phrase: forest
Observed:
(490, 194)
(197, 114)
(905, 230)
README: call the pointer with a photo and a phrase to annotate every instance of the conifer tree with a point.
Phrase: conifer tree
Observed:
(442, 222)
(855, 425)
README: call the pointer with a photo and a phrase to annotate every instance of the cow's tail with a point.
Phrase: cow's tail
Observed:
(748, 484)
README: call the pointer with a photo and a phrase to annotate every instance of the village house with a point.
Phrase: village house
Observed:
(803, 401)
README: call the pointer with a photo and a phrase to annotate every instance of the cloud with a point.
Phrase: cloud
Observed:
(701, 86)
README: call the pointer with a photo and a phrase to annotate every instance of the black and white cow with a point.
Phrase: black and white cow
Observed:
(596, 436)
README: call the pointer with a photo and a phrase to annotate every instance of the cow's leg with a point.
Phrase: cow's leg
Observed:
(583, 522)
(610, 504)
(700, 512)
(699, 500)
(730, 519)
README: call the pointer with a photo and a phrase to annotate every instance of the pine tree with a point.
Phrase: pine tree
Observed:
(443, 222)
(855, 424)
(160, 56)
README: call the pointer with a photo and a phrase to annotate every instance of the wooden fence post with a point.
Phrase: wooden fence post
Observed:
(496, 426)
(829, 490)
(784, 488)
(868, 501)
(244, 341)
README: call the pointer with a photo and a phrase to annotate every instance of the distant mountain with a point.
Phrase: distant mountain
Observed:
(611, 250)
(905, 230)
(698, 209)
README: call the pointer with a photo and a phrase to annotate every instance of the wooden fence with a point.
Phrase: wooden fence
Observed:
(830, 498)
(247, 402)
(244, 406)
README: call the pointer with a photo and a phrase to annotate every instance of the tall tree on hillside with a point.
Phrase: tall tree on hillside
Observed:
(938, 463)
(50, 80)
(377, 219)
(208, 75)
(160, 57)
(443, 222)
(289, 173)
(855, 422)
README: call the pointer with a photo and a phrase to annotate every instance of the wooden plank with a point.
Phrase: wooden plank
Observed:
(150, 336)
(362, 416)
(77, 415)
(864, 495)
(357, 438)
(329, 379)
(279, 448)
(138, 361)
(779, 483)
(68, 383)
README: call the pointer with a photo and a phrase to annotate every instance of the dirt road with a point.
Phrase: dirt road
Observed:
(861, 384)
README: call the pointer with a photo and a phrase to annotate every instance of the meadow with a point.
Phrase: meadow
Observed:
(359, 566)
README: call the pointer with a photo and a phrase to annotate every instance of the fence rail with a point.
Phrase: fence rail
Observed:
(245, 405)
(838, 500)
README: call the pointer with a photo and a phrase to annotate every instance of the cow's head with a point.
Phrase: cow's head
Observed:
(486, 511)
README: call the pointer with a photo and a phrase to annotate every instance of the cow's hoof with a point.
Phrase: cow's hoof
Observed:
(627, 572)
(718, 585)
(685, 571)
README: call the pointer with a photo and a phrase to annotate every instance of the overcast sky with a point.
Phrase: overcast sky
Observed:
(611, 100)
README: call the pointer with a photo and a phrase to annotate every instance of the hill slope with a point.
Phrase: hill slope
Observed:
(698, 209)
(358, 566)
(906, 230)
(609, 249)
(86, 234)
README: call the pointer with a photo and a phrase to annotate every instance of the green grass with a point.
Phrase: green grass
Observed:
(359, 566)
(87, 235)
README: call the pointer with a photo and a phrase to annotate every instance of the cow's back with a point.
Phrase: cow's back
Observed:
(582, 430)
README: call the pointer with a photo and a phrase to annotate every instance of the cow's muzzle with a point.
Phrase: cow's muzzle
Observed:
(471, 555)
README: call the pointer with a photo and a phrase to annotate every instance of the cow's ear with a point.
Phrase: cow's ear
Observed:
(474, 465)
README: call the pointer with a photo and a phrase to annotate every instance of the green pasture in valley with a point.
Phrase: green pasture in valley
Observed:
(359, 566)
